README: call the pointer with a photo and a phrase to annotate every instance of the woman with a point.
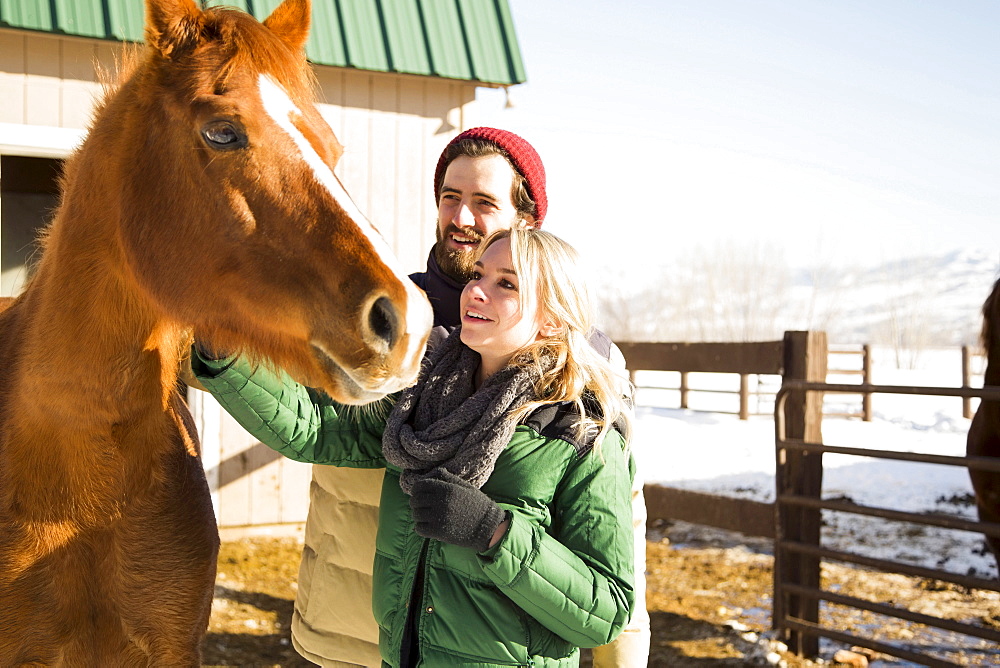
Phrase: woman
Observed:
(504, 533)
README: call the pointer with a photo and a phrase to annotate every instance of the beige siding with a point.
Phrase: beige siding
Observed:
(48, 80)
(392, 127)
(12, 73)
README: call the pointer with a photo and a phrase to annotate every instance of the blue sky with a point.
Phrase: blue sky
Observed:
(833, 131)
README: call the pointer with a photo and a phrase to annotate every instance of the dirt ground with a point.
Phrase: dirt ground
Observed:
(709, 600)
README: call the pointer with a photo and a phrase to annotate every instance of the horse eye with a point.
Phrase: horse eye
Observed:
(224, 136)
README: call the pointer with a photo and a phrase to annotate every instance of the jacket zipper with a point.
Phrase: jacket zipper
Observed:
(411, 633)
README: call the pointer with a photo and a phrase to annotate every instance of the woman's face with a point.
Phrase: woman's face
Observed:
(496, 322)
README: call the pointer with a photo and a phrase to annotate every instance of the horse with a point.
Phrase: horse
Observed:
(202, 201)
(984, 433)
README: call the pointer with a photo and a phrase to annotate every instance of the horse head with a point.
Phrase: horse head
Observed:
(234, 222)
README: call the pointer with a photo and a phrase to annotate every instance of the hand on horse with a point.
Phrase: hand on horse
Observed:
(447, 508)
(209, 352)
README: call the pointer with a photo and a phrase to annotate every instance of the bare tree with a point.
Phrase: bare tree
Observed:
(736, 291)
(629, 309)
(907, 327)
(729, 292)
(825, 293)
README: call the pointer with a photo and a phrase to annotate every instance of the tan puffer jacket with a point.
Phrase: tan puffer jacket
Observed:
(333, 624)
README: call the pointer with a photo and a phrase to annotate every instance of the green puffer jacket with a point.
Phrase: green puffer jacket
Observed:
(561, 578)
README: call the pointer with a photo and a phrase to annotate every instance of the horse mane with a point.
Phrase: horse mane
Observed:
(110, 79)
(247, 45)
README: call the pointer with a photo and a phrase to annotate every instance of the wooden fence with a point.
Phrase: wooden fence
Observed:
(798, 356)
(798, 551)
(742, 359)
(863, 368)
(728, 358)
(968, 354)
(795, 519)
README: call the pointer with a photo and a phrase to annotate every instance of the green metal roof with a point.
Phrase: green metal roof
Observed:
(471, 40)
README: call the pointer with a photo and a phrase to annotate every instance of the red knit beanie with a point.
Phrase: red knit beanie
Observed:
(526, 160)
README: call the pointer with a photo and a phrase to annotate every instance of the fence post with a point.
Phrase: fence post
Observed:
(744, 396)
(966, 382)
(866, 379)
(805, 358)
(684, 389)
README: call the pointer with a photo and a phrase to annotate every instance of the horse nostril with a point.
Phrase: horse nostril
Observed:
(383, 321)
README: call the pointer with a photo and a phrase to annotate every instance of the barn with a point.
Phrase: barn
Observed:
(397, 79)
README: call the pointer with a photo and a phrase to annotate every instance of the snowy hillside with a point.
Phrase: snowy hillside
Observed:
(735, 293)
(923, 301)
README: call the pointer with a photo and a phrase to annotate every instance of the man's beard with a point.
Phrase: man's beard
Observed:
(457, 264)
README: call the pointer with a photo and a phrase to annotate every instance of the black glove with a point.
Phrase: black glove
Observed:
(449, 509)
(208, 353)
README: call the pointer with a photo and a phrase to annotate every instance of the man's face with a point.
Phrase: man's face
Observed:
(475, 202)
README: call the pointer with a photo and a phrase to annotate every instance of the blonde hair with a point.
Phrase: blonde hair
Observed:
(550, 274)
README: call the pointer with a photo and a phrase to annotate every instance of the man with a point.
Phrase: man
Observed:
(486, 180)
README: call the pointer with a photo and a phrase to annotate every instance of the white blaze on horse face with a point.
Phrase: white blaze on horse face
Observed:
(280, 107)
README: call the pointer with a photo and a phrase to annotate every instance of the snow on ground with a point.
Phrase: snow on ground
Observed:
(718, 453)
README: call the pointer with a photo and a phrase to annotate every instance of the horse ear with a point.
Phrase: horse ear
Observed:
(172, 25)
(290, 22)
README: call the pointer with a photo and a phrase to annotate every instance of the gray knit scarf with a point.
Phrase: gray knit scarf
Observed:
(443, 422)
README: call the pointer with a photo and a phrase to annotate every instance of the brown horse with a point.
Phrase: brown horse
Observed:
(203, 199)
(984, 432)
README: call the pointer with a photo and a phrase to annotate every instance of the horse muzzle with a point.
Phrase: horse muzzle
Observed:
(393, 338)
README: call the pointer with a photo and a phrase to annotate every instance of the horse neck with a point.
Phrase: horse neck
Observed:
(93, 381)
(991, 376)
(95, 345)
(991, 336)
